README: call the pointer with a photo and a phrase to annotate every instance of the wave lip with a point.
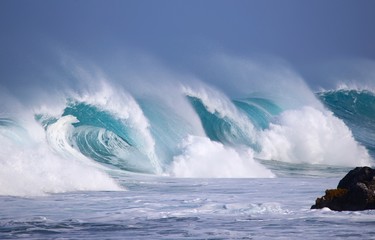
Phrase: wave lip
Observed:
(94, 133)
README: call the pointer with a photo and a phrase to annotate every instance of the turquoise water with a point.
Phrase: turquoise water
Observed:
(200, 166)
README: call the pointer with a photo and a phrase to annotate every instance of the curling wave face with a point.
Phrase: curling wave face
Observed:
(109, 129)
(357, 109)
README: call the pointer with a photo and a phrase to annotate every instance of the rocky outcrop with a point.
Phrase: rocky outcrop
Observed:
(355, 192)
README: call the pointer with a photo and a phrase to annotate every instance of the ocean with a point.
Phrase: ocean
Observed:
(188, 163)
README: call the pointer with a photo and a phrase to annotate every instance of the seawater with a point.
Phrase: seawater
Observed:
(174, 208)
(188, 162)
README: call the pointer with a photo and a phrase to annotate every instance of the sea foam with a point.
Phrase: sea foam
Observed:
(29, 167)
(204, 158)
(311, 136)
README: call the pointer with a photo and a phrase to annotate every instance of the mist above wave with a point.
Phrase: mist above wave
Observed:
(179, 127)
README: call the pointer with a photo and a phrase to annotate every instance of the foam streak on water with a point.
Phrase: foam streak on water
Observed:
(186, 209)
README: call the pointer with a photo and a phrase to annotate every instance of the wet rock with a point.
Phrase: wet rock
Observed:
(355, 192)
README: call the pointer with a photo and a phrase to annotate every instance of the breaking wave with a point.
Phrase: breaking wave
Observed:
(207, 134)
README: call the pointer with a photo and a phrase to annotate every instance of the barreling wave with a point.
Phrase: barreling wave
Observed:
(305, 135)
(221, 128)
(261, 111)
(33, 165)
(108, 139)
(96, 132)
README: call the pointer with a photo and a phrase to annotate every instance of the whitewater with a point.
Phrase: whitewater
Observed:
(184, 159)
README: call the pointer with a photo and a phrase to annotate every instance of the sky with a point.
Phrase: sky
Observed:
(317, 38)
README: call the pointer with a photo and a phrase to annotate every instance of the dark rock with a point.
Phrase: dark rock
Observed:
(355, 192)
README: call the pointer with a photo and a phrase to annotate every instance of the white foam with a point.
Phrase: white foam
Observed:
(354, 86)
(30, 168)
(59, 139)
(255, 209)
(204, 158)
(311, 136)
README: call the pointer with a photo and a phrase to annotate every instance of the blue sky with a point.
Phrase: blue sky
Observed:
(181, 34)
